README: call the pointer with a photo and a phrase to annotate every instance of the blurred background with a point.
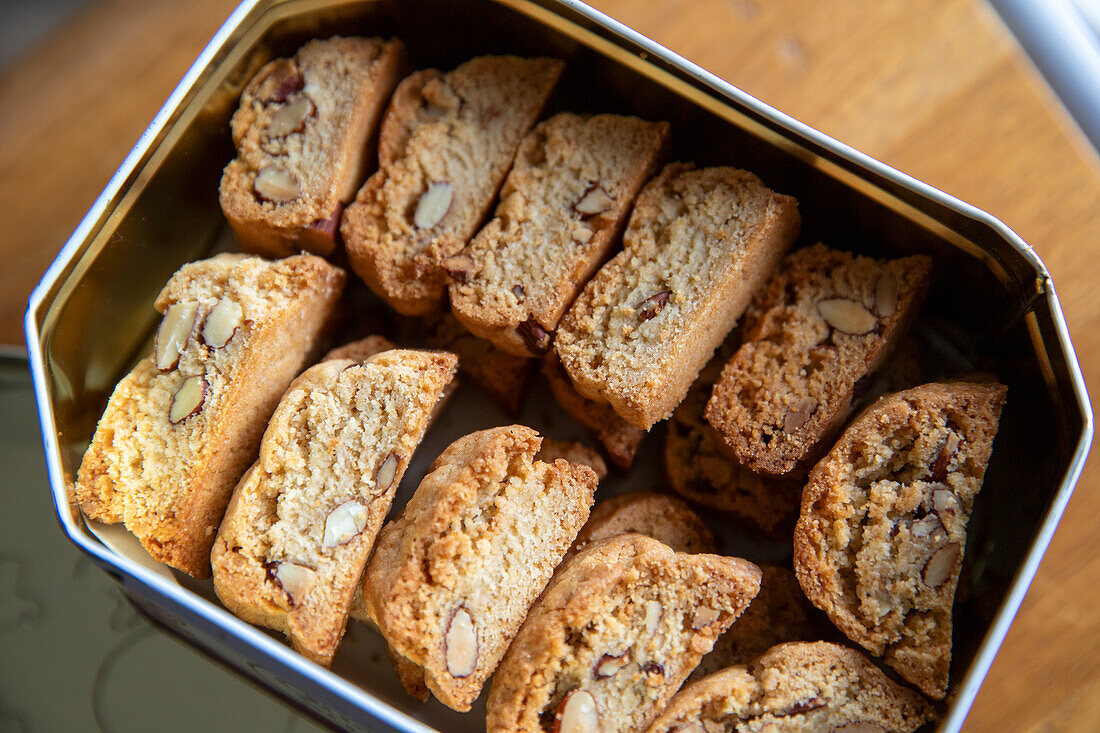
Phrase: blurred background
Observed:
(994, 101)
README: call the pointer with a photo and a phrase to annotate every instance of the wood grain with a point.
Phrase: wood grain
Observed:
(936, 88)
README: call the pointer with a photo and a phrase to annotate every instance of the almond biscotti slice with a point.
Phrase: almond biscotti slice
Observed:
(880, 541)
(451, 579)
(825, 320)
(185, 423)
(303, 135)
(660, 516)
(302, 522)
(699, 244)
(700, 471)
(614, 635)
(562, 208)
(800, 688)
(779, 613)
(447, 141)
(620, 439)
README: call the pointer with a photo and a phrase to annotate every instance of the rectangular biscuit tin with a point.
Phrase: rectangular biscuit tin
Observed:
(992, 308)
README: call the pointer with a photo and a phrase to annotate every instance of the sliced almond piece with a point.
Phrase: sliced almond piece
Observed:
(941, 565)
(279, 81)
(535, 337)
(188, 399)
(938, 470)
(222, 322)
(926, 526)
(291, 117)
(582, 234)
(703, 618)
(295, 580)
(594, 201)
(343, 523)
(275, 183)
(460, 644)
(847, 316)
(653, 614)
(944, 503)
(173, 334)
(577, 713)
(653, 305)
(799, 414)
(387, 472)
(330, 225)
(610, 664)
(433, 205)
(886, 295)
(459, 267)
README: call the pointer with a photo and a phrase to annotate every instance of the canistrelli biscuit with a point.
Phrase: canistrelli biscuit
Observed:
(302, 522)
(698, 245)
(183, 426)
(304, 135)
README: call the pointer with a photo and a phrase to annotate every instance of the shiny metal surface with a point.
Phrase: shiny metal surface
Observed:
(992, 307)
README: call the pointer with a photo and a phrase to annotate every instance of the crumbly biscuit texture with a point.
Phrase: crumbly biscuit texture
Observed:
(779, 613)
(797, 687)
(304, 135)
(698, 469)
(503, 377)
(452, 578)
(447, 141)
(183, 426)
(698, 245)
(302, 523)
(880, 540)
(620, 439)
(562, 208)
(826, 320)
(614, 635)
(660, 516)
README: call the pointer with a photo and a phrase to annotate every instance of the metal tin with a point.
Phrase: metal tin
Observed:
(992, 308)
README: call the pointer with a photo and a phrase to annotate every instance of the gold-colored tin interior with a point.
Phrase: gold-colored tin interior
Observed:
(989, 309)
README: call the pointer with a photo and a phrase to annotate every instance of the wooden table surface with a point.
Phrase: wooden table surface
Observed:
(936, 88)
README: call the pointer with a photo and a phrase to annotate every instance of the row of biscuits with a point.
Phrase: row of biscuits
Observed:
(626, 346)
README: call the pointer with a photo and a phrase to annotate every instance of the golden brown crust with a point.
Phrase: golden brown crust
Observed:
(341, 86)
(826, 320)
(660, 516)
(879, 542)
(170, 483)
(476, 544)
(573, 453)
(330, 462)
(698, 245)
(595, 612)
(447, 142)
(801, 688)
(561, 210)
